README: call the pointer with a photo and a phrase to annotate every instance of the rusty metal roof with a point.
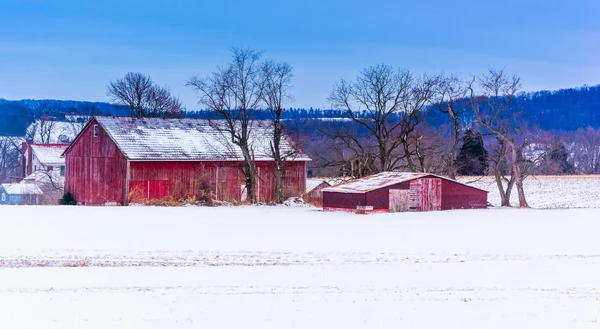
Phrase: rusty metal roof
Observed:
(157, 139)
(377, 181)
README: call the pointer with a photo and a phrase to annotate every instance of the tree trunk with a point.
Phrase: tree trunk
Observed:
(455, 132)
(518, 179)
(250, 172)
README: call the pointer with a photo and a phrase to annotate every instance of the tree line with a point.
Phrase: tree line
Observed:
(384, 119)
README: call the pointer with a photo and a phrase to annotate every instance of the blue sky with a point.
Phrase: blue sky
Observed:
(71, 49)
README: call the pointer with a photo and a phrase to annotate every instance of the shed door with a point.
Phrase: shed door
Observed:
(399, 200)
(428, 194)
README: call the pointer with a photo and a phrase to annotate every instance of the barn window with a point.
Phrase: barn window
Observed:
(3, 197)
(50, 168)
(34, 167)
(62, 170)
(95, 130)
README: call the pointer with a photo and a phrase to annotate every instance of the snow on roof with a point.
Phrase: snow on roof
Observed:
(21, 189)
(187, 139)
(374, 182)
(45, 177)
(311, 184)
(49, 154)
(387, 178)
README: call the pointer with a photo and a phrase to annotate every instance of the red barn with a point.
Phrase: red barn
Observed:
(399, 191)
(116, 159)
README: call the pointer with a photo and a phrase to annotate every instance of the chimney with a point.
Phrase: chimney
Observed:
(23, 160)
(29, 157)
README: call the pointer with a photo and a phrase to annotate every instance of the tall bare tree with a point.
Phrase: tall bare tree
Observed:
(138, 93)
(493, 109)
(277, 79)
(234, 92)
(10, 155)
(449, 98)
(388, 104)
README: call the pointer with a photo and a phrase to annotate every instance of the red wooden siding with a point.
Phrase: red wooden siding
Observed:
(428, 193)
(225, 179)
(459, 196)
(95, 169)
(98, 173)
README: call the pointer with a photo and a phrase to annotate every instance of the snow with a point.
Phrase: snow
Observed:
(548, 191)
(49, 154)
(281, 267)
(187, 139)
(57, 131)
(311, 184)
(20, 189)
(374, 182)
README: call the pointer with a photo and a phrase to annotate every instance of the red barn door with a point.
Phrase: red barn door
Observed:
(426, 194)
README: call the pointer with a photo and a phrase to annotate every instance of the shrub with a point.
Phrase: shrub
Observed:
(67, 199)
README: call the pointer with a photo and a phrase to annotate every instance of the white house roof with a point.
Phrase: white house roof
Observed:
(45, 177)
(49, 154)
(384, 179)
(21, 189)
(188, 139)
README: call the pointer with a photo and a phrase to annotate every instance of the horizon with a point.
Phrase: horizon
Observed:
(70, 51)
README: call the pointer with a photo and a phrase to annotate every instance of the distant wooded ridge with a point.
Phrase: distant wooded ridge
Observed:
(564, 109)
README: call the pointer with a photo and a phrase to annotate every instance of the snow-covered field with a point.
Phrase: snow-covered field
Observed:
(548, 191)
(279, 267)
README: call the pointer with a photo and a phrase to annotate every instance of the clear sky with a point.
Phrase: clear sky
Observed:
(71, 49)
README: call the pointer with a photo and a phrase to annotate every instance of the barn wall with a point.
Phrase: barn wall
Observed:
(225, 179)
(380, 199)
(339, 201)
(454, 196)
(293, 180)
(459, 196)
(95, 169)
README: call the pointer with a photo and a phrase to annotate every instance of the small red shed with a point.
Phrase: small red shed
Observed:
(401, 191)
(314, 194)
(116, 159)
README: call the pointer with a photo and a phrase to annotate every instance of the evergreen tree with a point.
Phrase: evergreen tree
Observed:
(560, 160)
(472, 155)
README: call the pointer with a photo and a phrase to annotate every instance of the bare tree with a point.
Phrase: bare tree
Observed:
(84, 113)
(494, 111)
(138, 93)
(585, 146)
(449, 98)
(43, 129)
(277, 78)
(10, 155)
(234, 92)
(388, 104)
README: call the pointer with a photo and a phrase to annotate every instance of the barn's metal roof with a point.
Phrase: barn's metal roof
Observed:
(377, 181)
(21, 189)
(156, 139)
(49, 154)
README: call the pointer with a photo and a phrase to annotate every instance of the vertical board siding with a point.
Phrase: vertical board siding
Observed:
(95, 169)
(427, 193)
(224, 179)
(96, 173)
